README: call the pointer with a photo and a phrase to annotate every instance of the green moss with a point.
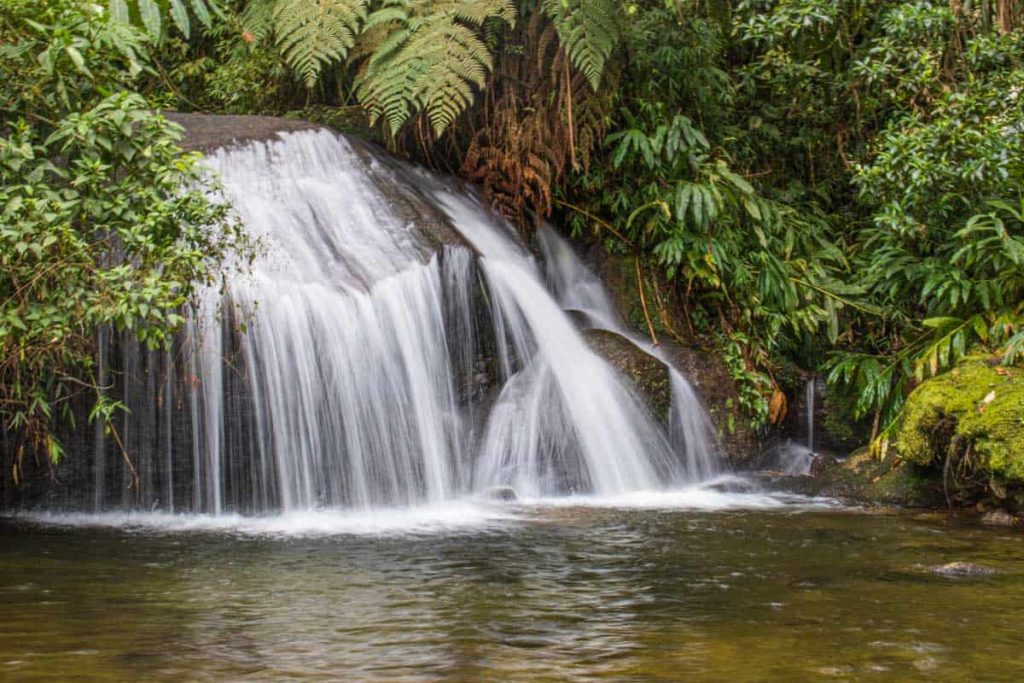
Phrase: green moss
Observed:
(983, 405)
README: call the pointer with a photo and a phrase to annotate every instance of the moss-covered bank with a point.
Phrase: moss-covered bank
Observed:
(969, 422)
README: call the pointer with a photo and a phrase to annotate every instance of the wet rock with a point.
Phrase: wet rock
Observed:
(1000, 518)
(503, 493)
(207, 132)
(962, 569)
(863, 478)
(396, 180)
(702, 366)
(649, 375)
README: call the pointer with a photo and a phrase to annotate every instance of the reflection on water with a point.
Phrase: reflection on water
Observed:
(535, 592)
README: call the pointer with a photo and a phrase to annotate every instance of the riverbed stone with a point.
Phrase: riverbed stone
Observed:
(1001, 518)
(960, 569)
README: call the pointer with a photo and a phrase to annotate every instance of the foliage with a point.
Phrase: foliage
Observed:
(415, 55)
(310, 34)
(105, 224)
(588, 30)
(427, 58)
(542, 123)
(152, 14)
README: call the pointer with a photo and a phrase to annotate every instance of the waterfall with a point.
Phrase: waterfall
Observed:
(809, 397)
(393, 344)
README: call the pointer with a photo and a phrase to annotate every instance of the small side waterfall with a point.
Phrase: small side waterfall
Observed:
(809, 397)
(393, 345)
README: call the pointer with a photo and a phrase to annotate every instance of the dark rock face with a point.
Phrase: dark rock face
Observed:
(707, 372)
(649, 375)
(207, 132)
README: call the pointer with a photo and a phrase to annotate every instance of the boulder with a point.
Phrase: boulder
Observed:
(649, 375)
(207, 132)
(395, 179)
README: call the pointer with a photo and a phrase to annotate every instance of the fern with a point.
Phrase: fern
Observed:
(311, 34)
(589, 30)
(150, 14)
(425, 59)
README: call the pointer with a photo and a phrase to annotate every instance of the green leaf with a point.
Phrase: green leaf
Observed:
(77, 60)
(940, 322)
(149, 12)
(119, 11)
(180, 16)
(202, 13)
(683, 193)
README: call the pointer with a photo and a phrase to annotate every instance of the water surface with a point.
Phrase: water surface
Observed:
(662, 590)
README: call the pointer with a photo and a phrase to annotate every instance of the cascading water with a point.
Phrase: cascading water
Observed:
(577, 288)
(809, 397)
(393, 345)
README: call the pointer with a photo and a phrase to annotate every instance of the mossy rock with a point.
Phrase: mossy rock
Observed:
(863, 478)
(979, 405)
(648, 374)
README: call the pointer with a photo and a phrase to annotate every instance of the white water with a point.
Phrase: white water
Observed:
(809, 397)
(362, 366)
(691, 432)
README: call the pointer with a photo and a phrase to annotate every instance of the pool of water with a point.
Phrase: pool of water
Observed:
(687, 587)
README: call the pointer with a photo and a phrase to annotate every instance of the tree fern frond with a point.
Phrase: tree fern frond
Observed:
(258, 18)
(313, 34)
(432, 62)
(476, 12)
(386, 15)
(589, 30)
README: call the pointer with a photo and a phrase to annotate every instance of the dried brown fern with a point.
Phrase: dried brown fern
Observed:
(540, 118)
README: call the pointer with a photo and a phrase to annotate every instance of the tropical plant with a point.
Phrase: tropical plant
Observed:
(427, 58)
(310, 34)
(415, 56)
(153, 14)
(589, 30)
(103, 222)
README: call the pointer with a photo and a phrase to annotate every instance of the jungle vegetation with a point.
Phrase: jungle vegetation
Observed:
(814, 186)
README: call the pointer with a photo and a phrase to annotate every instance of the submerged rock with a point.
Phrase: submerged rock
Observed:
(503, 493)
(962, 569)
(1000, 518)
